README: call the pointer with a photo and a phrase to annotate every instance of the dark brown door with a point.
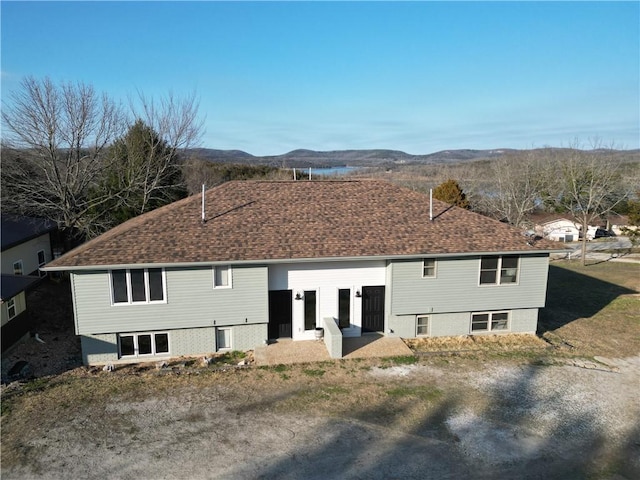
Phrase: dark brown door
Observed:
(373, 309)
(280, 313)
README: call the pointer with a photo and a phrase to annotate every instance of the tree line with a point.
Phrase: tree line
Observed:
(585, 185)
(80, 158)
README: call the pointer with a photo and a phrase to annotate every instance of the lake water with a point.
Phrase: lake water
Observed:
(332, 171)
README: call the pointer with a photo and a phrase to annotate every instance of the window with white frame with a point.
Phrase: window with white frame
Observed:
(142, 344)
(223, 339)
(422, 325)
(429, 267)
(490, 322)
(41, 262)
(222, 276)
(11, 308)
(18, 268)
(499, 270)
(144, 285)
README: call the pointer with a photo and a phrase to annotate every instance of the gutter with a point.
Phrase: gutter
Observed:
(259, 261)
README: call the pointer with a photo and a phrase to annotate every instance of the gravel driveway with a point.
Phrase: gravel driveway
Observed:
(507, 419)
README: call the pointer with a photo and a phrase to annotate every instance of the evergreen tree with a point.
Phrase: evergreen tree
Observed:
(451, 192)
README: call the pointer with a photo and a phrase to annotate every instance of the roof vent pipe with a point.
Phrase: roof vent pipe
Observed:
(309, 173)
(294, 174)
(431, 204)
(203, 215)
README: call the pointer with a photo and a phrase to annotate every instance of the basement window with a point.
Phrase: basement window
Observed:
(422, 325)
(490, 322)
(143, 344)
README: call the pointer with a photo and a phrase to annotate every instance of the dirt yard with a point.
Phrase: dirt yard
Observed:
(442, 418)
(563, 407)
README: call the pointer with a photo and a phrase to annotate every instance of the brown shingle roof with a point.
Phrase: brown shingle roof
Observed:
(257, 220)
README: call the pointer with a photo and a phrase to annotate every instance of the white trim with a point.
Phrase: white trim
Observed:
(435, 267)
(136, 353)
(351, 296)
(12, 303)
(428, 317)
(263, 261)
(498, 271)
(41, 273)
(18, 262)
(316, 290)
(489, 329)
(147, 291)
(224, 329)
(229, 276)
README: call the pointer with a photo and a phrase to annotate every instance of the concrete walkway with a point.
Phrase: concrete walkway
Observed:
(368, 346)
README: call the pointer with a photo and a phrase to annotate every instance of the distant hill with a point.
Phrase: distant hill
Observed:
(357, 158)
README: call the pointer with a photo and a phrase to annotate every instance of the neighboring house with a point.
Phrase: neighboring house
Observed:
(26, 246)
(558, 229)
(280, 259)
(616, 224)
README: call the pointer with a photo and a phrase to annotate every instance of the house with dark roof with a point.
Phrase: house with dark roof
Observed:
(26, 246)
(253, 261)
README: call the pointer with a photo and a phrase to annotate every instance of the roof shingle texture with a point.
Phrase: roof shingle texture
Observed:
(260, 220)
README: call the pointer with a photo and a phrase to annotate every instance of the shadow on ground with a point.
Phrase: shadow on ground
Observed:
(572, 295)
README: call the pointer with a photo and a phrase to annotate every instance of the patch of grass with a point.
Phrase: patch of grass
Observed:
(421, 392)
(313, 372)
(404, 360)
(284, 376)
(280, 368)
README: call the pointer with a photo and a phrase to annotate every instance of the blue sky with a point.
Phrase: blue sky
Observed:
(416, 76)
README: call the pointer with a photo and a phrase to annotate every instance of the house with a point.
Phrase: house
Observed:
(556, 228)
(26, 246)
(257, 260)
(617, 223)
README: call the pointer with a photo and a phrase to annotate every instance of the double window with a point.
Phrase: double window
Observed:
(138, 286)
(140, 344)
(429, 267)
(499, 270)
(490, 322)
(222, 276)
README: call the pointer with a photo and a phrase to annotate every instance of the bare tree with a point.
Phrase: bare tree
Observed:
(175, 126)
(58, 134)
(513, 187)
(61, 164)
(587, 185)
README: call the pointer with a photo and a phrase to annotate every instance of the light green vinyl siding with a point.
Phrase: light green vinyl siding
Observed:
(459, 323)
(456, 287)
(191, 302)
(103, 348)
